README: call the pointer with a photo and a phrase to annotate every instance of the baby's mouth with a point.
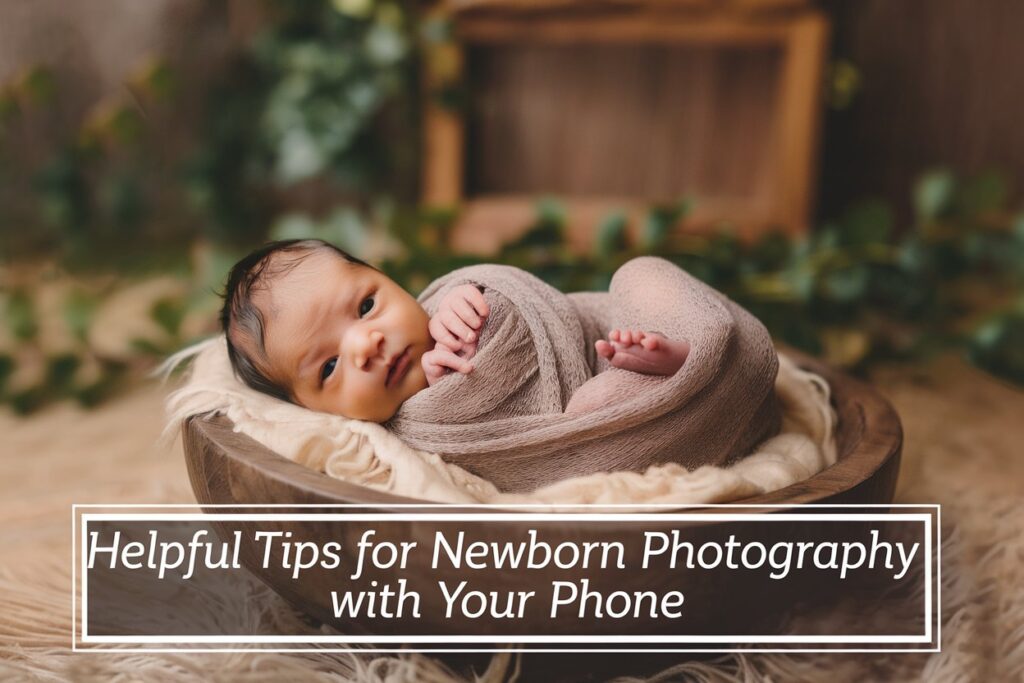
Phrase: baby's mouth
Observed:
(397, 368)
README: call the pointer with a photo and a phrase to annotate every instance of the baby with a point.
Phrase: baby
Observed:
(310, 324)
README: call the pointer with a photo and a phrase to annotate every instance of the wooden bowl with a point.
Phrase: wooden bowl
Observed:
(229, 468)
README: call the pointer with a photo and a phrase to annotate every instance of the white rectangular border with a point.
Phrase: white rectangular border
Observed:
(926, 518)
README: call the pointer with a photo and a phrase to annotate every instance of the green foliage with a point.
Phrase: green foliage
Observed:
(312, 130)
(843, 83)
(331, 71)
(324, 98)
(933, 195)
(21, 317)
(343, 226)
(79, 309)
(168, 314)
(998, 345)
(611, 235)
(322, 103)
(857, 290)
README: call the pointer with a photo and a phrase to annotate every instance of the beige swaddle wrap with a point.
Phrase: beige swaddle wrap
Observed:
(505, 421)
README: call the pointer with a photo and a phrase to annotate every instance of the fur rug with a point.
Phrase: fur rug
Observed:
(983, 633)
(962, 428)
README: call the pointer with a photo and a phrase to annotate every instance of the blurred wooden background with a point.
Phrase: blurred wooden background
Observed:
(625, 105)
(620, 120)
(939, 77)
(941, 86)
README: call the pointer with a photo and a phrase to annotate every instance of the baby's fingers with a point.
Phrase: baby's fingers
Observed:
(476, 299)
(467, 351)
(447, 359)
(432, 370)
(441, 335)
(467, 314)
(455, 325)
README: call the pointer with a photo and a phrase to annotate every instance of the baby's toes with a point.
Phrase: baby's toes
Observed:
(640, 358)
(650, 343)
(628, 360)
(604, 349)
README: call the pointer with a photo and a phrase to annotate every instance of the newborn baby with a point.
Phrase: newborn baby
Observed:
(310, 324)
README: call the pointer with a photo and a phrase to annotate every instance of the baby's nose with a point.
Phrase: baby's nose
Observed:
(369, 348)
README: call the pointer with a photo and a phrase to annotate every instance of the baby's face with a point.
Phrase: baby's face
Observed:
(344, 338)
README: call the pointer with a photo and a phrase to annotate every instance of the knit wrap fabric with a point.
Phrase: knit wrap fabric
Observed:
(507, 421)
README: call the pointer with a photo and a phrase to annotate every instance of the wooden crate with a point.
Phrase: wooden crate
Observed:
(619, 109)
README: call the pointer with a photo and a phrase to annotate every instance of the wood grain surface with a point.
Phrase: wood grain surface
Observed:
(631, 106)
(229, 467)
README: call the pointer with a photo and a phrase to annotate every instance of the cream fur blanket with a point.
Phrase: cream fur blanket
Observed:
(367, 454)
(507, 420)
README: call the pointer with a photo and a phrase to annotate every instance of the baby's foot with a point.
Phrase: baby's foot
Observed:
(650, 353)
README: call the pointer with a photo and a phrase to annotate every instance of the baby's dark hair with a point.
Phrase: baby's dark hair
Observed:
(241, 316)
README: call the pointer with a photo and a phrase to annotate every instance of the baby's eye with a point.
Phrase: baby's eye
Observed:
(328, 369)
(366, 306)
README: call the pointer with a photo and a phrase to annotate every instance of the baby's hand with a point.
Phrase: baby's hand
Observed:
(647, 352)
(440, 360)
(459, 319)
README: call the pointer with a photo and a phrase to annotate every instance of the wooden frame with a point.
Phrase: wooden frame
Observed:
(801, 36)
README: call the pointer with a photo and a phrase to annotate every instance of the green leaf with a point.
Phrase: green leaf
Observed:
(21, 316)
(869, 222)
(125, 124)
(159, 79)
(346, 228)
(983, 193)
(660, 222)
(551, 211)
(772, 251)
(27, 400)
(847, 284)
(1018, 228)
(8, 105)
(123, 200)
(38, 84)
(384, 45)
(437, 29)
(933, 194)
(611, 235)
(293, 226)
(60, 369)
(359, 9)
(168, 314)
(6, 369)
(801, 279)
(79, 309)
(998, 346)
(299, 157)
(827, 237)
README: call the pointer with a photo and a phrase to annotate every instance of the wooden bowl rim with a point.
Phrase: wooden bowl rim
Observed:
(857, 405)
